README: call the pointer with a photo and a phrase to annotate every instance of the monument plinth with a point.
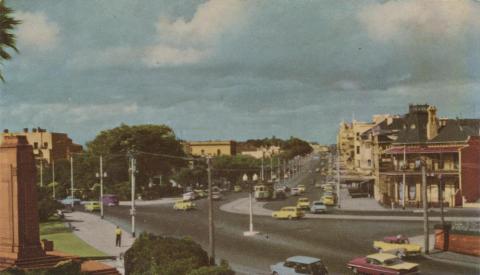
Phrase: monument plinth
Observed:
(19, 228)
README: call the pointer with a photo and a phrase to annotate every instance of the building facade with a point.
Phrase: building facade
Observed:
(212, 148)
(48, 146)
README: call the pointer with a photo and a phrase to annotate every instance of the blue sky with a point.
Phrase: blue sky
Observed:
(227, 69)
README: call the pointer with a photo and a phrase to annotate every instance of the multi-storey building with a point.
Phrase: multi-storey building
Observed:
(448, 148)
(48, 146)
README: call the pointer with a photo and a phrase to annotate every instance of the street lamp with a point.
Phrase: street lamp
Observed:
(101, 175)
(245, 180)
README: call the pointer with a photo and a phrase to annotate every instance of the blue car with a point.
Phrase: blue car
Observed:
(318, 207)
(68, 201)
(299, 265)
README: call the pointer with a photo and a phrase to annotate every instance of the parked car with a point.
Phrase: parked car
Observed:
(69, 200)
(237, 188)
(91, 206)
(184, 205)
(288, 212)
(189, 196)
(318, 185)
(398, 245)
(299, 265)
(303, 203)
(216, 196)
(110, 200)
(318, 207)
(382, 263)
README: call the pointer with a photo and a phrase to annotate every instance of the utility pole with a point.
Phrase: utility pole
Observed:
(101, 187)
(211, 227)
(338, 179)
(284, 170)
(133, 171)
(271, 167)
(278, 170)
(71, 180)
(404, 176)
(262, 174)
(425, 209)
(53, 178)
(442, 214)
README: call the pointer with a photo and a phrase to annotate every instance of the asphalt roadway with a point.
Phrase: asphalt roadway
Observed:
(334, 241)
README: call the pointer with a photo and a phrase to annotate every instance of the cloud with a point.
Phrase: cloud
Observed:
(397, 20)
(190, 41)
(36, 32)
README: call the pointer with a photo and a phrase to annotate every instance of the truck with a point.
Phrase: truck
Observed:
(264, 191)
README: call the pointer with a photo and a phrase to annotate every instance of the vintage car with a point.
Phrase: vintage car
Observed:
(69, 201)
(382, 263)
(398, 245)
(318, 207)
(301, 188)
(200, 193)
(295, 191)
(216, 196)
(303, 203)
(189, 196)
(184, 205)
(110, 200)
(299, 265)
(288, 212)
(318, 185)
(92, 206)
(237, 188)
(328, 200)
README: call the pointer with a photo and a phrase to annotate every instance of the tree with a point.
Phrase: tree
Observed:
(7, 39)
(296, 147)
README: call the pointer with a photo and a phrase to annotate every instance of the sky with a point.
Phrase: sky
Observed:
(231, 69)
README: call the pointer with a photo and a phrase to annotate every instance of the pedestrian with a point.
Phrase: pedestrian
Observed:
(118, 236)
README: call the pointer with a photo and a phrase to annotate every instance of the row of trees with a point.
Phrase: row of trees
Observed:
(160, 160)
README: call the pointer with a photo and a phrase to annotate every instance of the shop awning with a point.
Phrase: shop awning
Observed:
(422, 150)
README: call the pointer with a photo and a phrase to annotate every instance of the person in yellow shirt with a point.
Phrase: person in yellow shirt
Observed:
(118, 236)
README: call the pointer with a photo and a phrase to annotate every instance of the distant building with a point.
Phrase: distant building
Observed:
(211, 148)
(319, 148)
(46, 145)
(260, 152)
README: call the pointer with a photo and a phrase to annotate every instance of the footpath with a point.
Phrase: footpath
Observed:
(100, 234)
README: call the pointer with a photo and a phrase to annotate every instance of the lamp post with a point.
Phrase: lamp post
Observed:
(421, 164)
(250, 232)
(101, 175)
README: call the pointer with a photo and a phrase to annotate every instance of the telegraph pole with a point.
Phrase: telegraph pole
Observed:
(425, 209)
(53, 178)
(71, 180)
(211, 227)
(338, 179)
(133, 171)
(404, 176)
(41, 172)
(278, 170)
(262, 174)
(271, 167)
(101, 187)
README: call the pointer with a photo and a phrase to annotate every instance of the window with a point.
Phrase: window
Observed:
(412, 191)
(219, 152)
(35, 145)
(369, 162)
(289, 264)
(45, 145)
(202, 152)
(358, 149)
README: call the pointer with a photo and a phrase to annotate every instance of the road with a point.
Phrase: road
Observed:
(334, 241)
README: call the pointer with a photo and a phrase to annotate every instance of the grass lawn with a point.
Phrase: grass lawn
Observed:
(65, 241)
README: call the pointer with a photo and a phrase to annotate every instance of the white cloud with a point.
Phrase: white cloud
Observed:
(397, 20)
(182, 41)
(36, 32)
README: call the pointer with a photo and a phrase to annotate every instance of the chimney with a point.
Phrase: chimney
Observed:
(5, 131)
(25, 130)
(432, 124)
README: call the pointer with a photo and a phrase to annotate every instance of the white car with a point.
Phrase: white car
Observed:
(299, 265)
(189, 196)
(295, 191)
(216, 196)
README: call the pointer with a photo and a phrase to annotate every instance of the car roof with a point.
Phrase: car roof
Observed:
(382, 256)
(289, 207)
(315, 202)
(303, 259)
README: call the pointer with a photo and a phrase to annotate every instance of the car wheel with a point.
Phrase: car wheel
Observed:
(355, 271)
(274, 273)
(289, 217)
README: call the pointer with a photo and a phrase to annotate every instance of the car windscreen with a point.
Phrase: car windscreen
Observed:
(393, 261)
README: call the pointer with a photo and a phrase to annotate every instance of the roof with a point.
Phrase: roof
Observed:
(422, 150)
(458, 130)
(381, 256)
(303, 259)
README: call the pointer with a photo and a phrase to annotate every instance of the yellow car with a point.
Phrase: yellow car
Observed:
(92, 206)
(301, 188)
(328, 200)
(289, 212)
(303, 203)
(398, 245)
(183, 205)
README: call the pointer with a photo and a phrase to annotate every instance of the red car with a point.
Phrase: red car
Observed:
(382, 263)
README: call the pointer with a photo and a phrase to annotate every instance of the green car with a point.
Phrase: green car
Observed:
(92, 206)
